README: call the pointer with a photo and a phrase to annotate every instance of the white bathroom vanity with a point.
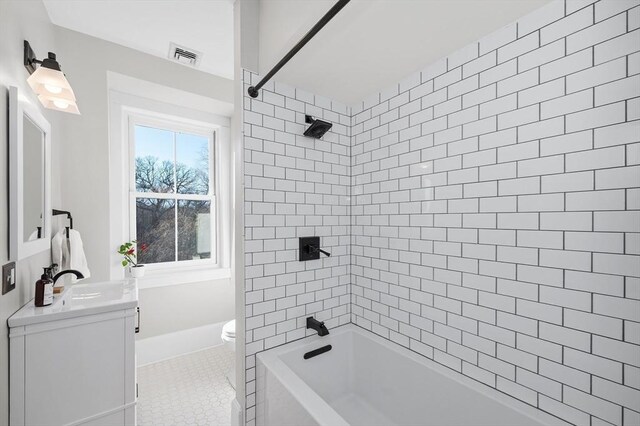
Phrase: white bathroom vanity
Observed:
(73, 362)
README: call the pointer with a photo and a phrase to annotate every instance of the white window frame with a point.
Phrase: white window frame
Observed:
(176, 126)
(133, 97)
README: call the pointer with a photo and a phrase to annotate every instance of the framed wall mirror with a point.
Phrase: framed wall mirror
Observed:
(29, 178)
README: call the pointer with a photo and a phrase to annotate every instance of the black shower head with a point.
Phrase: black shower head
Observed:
(318, 127)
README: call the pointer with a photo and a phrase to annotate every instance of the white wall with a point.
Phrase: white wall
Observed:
(246, 43)
(20, 20)
(85, 153)
(174, 308)
(86, 144)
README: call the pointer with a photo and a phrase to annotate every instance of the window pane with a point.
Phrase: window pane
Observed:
(192, 164)
(155, 227)
(194, 230)
(154, 159)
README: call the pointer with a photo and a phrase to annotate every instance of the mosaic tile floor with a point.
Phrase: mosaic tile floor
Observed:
(187, 390)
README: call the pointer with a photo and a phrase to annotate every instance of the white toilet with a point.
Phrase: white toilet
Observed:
(229, 339)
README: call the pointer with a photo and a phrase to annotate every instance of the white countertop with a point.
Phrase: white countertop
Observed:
(79, 300)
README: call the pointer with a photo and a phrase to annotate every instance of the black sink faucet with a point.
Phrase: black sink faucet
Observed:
(317, 326)
(78, 274)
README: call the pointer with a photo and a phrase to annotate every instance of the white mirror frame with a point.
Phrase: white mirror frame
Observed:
(18, 108)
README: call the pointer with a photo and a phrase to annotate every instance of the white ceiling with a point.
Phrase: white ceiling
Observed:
(150, 25)
(368, 46)
(372, 44)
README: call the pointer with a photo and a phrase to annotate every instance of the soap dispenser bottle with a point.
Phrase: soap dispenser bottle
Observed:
(44, 289)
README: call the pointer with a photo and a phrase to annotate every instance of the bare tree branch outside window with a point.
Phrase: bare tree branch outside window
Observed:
(175, 228)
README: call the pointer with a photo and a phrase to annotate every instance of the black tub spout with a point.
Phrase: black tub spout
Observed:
(317, 326)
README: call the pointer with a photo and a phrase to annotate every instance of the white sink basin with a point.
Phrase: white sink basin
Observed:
(80, 299)
(96, 293)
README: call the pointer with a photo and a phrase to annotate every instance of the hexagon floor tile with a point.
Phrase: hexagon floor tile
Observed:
(188, 390)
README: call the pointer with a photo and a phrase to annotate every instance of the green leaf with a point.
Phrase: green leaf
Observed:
(125, 263)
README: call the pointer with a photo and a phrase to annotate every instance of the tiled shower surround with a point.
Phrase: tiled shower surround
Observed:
(294, 187)
(493, 211)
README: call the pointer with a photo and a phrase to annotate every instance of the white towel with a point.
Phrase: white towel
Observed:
(77, 258)
(68, 253)
(59, 247)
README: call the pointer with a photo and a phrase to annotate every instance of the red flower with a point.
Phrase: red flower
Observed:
(130, 251)
(143, 247)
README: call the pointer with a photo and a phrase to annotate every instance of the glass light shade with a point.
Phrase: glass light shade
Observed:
(59, 104)
(53, 89)
(49, 82)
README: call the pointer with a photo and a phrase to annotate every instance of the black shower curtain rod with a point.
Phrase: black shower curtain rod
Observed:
(253, 90)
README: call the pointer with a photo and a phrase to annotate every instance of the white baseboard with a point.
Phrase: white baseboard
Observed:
(171, 345)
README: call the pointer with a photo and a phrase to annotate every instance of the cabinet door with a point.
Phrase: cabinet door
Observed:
(74, 372)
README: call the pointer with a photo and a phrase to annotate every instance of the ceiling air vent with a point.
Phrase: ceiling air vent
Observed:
(184, 55)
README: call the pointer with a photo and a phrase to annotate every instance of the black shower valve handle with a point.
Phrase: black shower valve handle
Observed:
(313, 249)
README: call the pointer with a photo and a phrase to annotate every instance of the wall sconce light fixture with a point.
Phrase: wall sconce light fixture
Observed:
(49, 82)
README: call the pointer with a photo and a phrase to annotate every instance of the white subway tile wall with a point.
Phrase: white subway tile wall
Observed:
(294, 187)
(484, 212)
(495, 219)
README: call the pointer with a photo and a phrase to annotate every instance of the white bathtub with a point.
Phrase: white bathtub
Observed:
(366, 380)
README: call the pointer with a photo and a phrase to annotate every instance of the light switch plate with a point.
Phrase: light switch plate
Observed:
(8, 277)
